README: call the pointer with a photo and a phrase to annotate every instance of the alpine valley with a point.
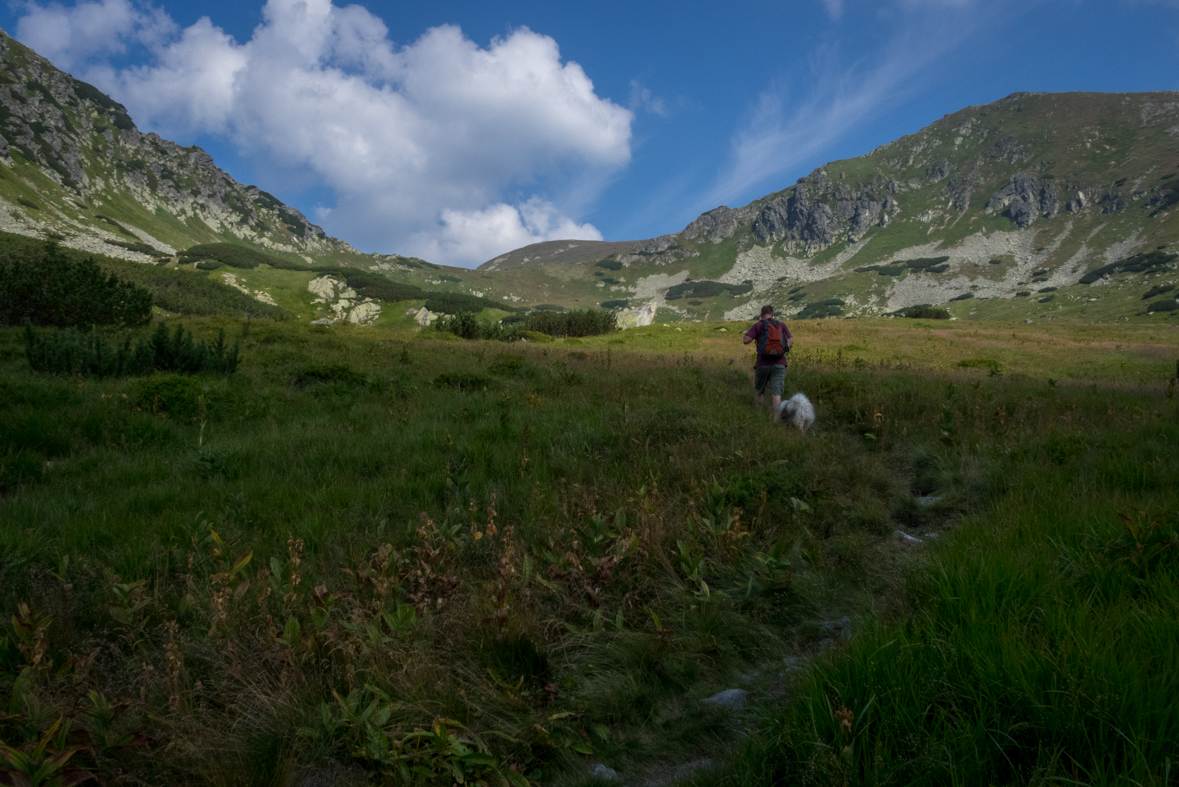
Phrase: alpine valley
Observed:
(1036, 207)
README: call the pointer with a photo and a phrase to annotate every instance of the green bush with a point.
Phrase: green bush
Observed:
(621, 303)
(610, 265)
(927, 313)
(1147, 262)
(453, 303)
(234, 256)
(72, 353)
(47, 286)
(583, 322)
(1047, 298)
(706, 289)
(963, 297)
(1163, 306)
(1158, 290)
(830, 307)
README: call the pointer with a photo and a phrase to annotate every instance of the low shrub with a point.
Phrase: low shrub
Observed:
(831, 307)
(621, 303)
(453, 303)
(1163, 306)
(233, 255)
(610, 265)
(927, 313)
(1047, 298)
(583, 322)
(963, 297)
(707, 289)
(72, 353)
(1157, 290)
(1147, 262)
(1046, 289)
(48, 286)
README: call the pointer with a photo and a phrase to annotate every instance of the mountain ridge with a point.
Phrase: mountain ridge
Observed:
(1016, 203)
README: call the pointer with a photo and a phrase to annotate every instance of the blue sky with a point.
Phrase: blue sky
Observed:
(456, 131)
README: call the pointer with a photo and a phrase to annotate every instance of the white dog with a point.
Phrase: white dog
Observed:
(798, 412)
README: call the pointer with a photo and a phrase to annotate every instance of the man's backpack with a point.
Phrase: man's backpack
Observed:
(771, 343)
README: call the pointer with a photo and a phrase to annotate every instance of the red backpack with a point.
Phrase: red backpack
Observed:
(771, 343)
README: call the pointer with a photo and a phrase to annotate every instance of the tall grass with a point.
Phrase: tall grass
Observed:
(328, 556)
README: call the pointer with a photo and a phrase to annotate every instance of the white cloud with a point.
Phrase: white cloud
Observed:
(483, 234)
(421, 144)
(834, 8)
(70, 36)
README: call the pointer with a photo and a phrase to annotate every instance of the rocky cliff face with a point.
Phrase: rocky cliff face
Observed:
(103, 180)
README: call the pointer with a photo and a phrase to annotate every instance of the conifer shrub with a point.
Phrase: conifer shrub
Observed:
(1147, 262)
(454, 302)
(610, 265)
(707, 289)
(620, 303)
(927, 313)
(71, 353)
(963, 297)
(819, 310)
(49, 287)
(1163, 306)
(1047, 298)
(1157, 290)
(233, 255)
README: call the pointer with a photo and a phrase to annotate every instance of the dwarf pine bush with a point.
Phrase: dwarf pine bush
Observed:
(70, 353)
(51, 288)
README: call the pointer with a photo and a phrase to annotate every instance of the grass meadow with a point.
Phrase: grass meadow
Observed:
(381, 556)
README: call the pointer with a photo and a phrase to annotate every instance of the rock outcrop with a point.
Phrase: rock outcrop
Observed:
(1026, 197)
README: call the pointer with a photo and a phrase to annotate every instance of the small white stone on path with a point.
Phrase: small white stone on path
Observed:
(729, 698)
(600, 771)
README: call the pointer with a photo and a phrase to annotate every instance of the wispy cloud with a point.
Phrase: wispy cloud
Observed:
(789, 128)
(834, 8)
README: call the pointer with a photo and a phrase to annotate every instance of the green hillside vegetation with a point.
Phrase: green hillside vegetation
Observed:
(575, 538)
(44, 284)
(233, 255)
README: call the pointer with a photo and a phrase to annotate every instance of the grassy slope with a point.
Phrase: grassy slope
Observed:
(552, 611)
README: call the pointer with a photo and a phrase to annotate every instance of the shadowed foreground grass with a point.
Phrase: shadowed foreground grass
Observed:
(433, 561)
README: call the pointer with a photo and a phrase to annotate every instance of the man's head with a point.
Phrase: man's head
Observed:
(767, 311)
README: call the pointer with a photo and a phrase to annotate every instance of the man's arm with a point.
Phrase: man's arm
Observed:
(746, 339)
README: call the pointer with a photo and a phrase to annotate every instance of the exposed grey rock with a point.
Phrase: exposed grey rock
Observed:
(928, 500)
(907, 539)
(600, 771)
(654, 245)
(716, 224)
(960, 188)
(1008, 149)
(729, 698)
(1112, 202)
(840, 628)
(939, 171)
(1026, 197)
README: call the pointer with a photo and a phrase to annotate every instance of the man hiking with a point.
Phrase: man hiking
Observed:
(774, 340)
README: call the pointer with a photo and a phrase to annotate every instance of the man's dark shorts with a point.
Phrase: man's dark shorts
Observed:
(772, 377)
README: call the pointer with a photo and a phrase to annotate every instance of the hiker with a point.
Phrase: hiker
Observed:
(774, 340)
